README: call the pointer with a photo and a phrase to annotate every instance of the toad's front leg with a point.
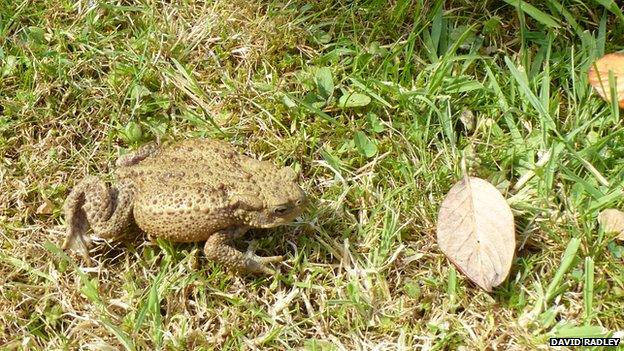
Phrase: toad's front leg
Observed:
(91, 203)
(218, 249)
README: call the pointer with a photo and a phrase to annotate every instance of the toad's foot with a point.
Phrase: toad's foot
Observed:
(217, 249)
(107, 211)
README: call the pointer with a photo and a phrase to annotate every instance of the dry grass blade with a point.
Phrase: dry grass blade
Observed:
(476, 231)
(599, 76)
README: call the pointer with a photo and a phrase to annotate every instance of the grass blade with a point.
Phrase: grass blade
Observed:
(612, 7)
(566, 262)
(523, 83)
(588, 290)
(534, 12)
(587, 331)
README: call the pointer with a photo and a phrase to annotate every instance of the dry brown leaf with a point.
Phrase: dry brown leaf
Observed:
(468, 119)
(476, 231)
(612, 221)
(599, 76)
(46, 208)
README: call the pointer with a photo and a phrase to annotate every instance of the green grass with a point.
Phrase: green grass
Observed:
(364, 99)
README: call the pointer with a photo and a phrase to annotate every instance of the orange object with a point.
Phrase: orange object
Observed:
(599, 76)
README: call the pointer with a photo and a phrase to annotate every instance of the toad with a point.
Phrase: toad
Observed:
(193, 190)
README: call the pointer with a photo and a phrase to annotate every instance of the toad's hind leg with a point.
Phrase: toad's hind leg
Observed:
(107, 211)
(217, 249)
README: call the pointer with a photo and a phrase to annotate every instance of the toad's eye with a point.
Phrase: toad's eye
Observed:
(280, 210)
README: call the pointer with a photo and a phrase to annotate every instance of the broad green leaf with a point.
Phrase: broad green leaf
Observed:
(322, 37)
(36, 34)
(132, 132)
(314, 100)
(362, 87)
(9, 66)
(364, 145)
(375, 123)
(288, 102)
(325, 82)
(90, 290)
(353, 100)
(138, 91)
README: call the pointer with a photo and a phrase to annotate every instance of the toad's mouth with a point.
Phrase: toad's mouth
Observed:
(271, 221)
